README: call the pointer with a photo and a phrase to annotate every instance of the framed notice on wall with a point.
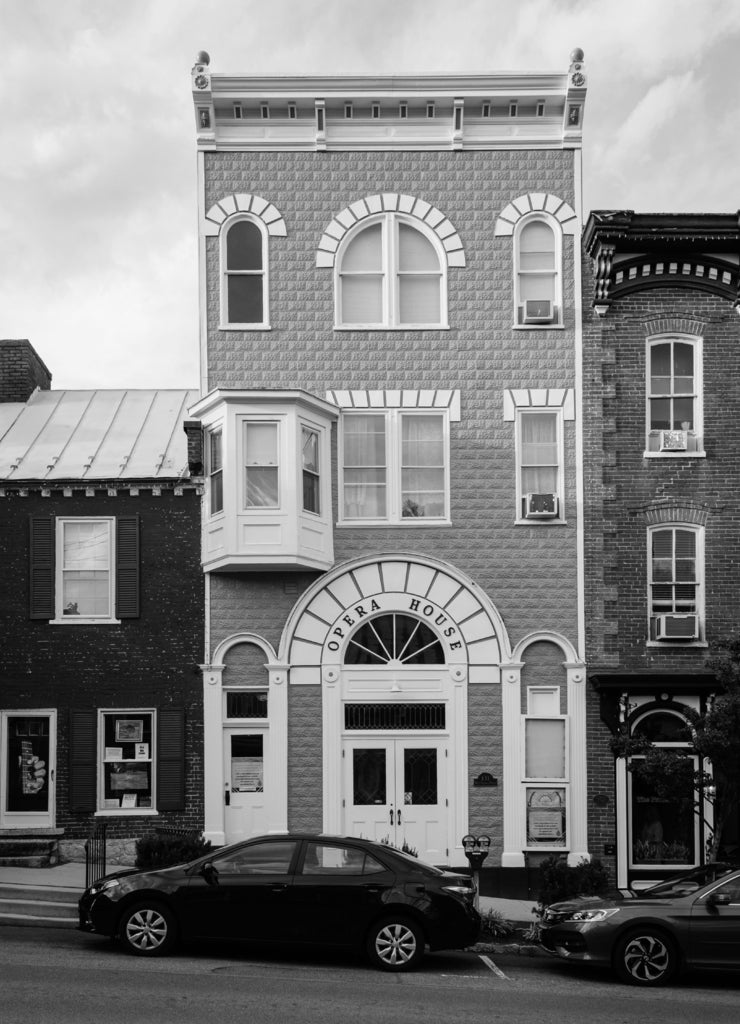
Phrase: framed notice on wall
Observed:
(546, 817)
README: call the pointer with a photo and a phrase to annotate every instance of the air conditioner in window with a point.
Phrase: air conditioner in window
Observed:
(674, 440)
(676, 627)
(540, 506)
(538, 311)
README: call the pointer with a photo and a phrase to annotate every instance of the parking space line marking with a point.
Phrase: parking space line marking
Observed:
(492, 967)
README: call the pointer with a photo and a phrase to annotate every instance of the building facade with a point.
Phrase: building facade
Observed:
(390, 284)
(661, 406)
(101, 614)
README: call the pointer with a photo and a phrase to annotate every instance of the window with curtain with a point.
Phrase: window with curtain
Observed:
(243, 259)
(537, 274)
(261, 469)
(395, 466)
(539, 454)
(86, 568)
(390, 274)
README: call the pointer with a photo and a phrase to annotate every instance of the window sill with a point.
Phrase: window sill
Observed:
(78, 620)
(386, 523)
(128, 812)
(538, 327)
(244, 327)
(674, 455)
(391, 327)
(540, 522)
(676, 644)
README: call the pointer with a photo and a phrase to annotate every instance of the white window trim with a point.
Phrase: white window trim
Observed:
(393, 436)
(60, 618)
(283, 460)
(700, 585)
(557, 230)
(216, 429)
(104, 812)
(319, 474)
(558, 412)
(698, 431)
(390, 291)
(225, 325)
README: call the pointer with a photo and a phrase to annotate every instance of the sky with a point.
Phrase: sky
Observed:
(98, 251)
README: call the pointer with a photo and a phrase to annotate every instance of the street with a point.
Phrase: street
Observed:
(60, 976)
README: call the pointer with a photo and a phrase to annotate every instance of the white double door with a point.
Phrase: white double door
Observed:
(394, 790)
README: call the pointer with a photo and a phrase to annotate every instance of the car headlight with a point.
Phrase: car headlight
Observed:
(106, 886)
(460, 890)
(592, 915)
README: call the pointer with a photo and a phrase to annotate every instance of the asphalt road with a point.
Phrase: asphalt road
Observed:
(65, 977)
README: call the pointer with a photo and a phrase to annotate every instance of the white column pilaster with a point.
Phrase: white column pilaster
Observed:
(578, 828)
(213, 754)
(511, 710)
(276, 769)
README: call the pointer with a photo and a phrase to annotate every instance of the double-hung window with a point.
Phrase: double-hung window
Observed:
(538, 287)
(85, 578)
(391, 273)
(539, 464)
(262, 475)
(675, 576)
(215, 470)
(674, 411)
(244, 274)
(395, 467)
(310, 470)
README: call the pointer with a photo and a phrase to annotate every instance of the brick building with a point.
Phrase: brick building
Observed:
(390, 280)
(101, 613)
(661, 408)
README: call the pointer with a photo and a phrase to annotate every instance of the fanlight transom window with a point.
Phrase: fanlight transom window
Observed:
(394, 640)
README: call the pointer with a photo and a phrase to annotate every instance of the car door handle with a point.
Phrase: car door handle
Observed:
(372, 888)
(279, 887)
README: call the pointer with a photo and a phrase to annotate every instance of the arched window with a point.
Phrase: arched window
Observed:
(391, 273)
(244, 270)
(674, 395)
(537, 253)
(398, 639)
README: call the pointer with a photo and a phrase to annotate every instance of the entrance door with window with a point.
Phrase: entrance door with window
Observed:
(394, 790)
(245, 813)
(28, 743)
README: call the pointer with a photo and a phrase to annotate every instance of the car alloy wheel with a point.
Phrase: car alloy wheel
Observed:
(645, 957)
(147, 929)
(395, 944)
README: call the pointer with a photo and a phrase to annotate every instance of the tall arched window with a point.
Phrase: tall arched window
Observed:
(244, 270)
(537, 272)
(391, 273)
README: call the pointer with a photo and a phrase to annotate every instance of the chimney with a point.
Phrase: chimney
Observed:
(21, 371)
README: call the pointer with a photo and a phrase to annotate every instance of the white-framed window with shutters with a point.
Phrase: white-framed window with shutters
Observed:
(538, 287)
(391, 272)
(244, 274)
(85, 570)
(395, 467)
(539, 465)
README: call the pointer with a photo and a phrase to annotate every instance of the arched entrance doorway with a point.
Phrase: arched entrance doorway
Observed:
(394, 644)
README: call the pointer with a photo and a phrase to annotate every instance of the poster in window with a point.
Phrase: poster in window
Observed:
(128, 800)
(141, 751)
(129, 730)
(546, 817)
(246, 774)
(113, 754)
(126, 777)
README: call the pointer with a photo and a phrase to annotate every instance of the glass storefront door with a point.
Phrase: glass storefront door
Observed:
(28, 745)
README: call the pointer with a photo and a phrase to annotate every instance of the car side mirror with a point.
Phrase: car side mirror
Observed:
(718, 899)
(209, 872)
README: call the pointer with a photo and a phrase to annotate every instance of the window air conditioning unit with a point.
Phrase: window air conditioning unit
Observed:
(674, 440)
(540, 506)
(676, 627)
(538, 311)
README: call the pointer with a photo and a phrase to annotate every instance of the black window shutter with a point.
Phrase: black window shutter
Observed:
(42, 567)
(171, 759)
(83, 760)
(127, 567)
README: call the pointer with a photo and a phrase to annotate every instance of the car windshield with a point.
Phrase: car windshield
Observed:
(683, 885)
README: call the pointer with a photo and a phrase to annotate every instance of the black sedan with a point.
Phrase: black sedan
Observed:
(693, 921)
(317, 890)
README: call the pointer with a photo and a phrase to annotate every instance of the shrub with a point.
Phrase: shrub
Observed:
(162, 850)
(559, 881)
(495, 926)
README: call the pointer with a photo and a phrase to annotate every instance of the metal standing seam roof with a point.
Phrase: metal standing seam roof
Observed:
(96, 435)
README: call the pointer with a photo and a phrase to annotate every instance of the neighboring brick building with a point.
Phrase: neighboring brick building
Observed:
(101, 613)
(390, 331)
(661, 409)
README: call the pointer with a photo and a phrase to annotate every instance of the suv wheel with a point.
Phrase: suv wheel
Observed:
(645, 956)
(395, 944)
(147, 929)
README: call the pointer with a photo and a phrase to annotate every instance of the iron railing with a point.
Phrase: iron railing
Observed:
(95, 854)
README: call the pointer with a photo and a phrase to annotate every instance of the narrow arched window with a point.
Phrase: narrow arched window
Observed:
(391, 273)
(537, 272)
(244, 295)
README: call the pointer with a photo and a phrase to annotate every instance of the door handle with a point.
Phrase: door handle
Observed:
(227, 796)
(391, 816)
(398, 816)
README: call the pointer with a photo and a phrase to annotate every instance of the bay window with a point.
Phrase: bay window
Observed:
(261, 470)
